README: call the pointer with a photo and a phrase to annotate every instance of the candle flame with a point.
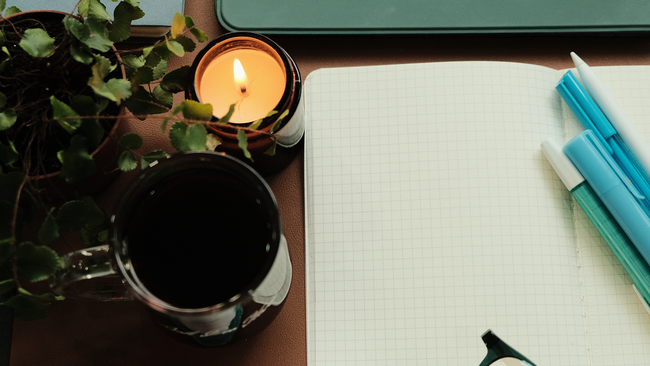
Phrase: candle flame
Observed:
(241, 80)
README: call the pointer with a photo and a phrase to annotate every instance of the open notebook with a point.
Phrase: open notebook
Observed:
(432, 215)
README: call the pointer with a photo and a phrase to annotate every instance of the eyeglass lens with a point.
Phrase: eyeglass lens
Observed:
(509, 361)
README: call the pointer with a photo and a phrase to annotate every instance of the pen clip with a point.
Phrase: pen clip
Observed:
(593, 138)
(577, 109)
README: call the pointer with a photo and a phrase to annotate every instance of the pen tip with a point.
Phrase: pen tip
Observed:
(577, 61)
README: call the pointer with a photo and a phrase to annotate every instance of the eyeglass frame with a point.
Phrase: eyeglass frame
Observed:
(498, 349)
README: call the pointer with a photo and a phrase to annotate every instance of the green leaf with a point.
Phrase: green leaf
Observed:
(175, 48)
(97, 10)
(90, 128)
(77, 162)
(151, 157)
(199, 34)
(73, 25)
(141, 104)
(147, 51)
(36, 263)
(26, 308)
(81, 53)
(163, 97)
(242, 142)
(82, 8)
(132, 62)
(7, 118)
(271, 150)
(188, 44)
(212, 142)
(143, 75)
(3, 4)
(95, 35)
(115, 89)
(97, 217)
(160, 69)
(5, 50)
(120, 31)
(177, 110)
(178, 136)
(61, 112)
(133, 2)
(197, 137)
(37, 43)
(127, 161)
(93, 132)
(226, 118)
(120, 89)
(49, 231)
(7, 285)
(277, 123)
(163, 51)
(195, 110)
(73, 215)
(257, 123)
(102, 236)
(177, 80)
(8, 154)
(101, 69)
(48, 296)
(124, 14)
(178, 24)
(189, 22)
(131, 140)
(188, 139)
(12, 10)
(84, 105)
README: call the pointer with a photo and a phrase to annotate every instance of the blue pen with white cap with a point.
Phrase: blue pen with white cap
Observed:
(624, 126)
(592, 118)
(624, 250)
(612, 187)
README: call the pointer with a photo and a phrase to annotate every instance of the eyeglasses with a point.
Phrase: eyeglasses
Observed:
(500, 354)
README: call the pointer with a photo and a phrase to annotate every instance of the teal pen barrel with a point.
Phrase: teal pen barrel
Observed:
(615, 237)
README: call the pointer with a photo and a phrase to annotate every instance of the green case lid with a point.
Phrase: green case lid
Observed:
(433, 16)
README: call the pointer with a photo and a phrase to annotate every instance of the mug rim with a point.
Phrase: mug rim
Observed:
(242, 172)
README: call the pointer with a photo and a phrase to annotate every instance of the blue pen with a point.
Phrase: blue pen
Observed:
(611, 186)
(592, 118)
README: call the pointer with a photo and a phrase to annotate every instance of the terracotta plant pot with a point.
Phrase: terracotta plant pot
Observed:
(105, 155)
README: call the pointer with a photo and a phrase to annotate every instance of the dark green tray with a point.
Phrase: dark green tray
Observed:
(434, 16)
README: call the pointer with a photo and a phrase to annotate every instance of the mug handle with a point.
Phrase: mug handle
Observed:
(89, 274)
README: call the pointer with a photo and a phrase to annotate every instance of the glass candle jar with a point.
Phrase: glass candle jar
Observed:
(262, 81)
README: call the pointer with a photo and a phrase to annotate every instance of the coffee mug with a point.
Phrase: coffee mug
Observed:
(197, 238)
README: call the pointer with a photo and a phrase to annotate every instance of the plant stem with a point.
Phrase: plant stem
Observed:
(14, 220)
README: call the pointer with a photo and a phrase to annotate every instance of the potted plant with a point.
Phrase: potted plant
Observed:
(62, 139)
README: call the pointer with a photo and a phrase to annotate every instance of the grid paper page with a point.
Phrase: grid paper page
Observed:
(432, 216)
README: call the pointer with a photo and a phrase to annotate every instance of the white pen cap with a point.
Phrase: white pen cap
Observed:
(564, 168)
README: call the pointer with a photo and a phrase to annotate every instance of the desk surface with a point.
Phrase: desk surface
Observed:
(93, 333)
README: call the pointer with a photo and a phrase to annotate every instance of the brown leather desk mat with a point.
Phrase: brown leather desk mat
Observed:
(94, 333)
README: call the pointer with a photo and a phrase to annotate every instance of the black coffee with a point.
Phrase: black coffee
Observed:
(199, 238)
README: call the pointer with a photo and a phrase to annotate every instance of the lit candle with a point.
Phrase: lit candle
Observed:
(259, 81)
(241, 81)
